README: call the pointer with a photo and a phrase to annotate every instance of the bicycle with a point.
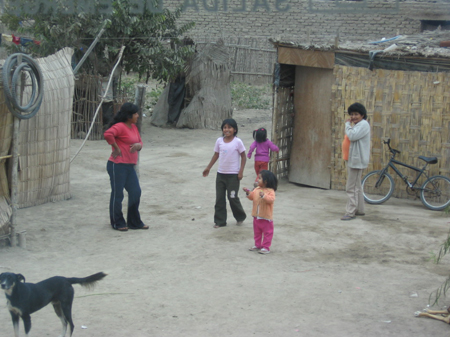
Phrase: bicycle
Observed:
(378, 186)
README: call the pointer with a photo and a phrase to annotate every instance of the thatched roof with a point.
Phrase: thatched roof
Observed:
(426, 44)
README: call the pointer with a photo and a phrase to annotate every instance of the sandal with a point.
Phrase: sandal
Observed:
(218, 226)
(122, 229)
(143, 227)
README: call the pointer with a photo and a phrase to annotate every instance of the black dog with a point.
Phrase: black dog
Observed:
(26, 298)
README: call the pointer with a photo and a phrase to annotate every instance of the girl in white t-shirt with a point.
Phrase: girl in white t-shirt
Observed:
(230, 151)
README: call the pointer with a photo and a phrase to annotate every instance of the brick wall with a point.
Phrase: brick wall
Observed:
(316, 21)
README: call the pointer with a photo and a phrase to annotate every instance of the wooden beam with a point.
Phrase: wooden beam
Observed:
(247, 73)
(306, 58)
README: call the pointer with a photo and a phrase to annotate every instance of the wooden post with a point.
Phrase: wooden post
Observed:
(139, 101)
(336, 40)
(14, 174)
(15, 167)
(22, 239)
(275, 133)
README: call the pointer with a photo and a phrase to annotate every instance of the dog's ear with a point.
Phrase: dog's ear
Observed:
(20, 277)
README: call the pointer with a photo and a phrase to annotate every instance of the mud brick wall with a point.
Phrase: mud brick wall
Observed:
(314, 21)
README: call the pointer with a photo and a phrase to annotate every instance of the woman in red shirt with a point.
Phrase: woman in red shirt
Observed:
(124, 137)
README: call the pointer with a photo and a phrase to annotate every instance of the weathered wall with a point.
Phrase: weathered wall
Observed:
(317, 21)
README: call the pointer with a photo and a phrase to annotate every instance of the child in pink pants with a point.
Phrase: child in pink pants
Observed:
(263, 198)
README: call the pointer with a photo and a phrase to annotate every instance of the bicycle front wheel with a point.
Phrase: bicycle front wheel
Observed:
(377, 187)
(435, 193)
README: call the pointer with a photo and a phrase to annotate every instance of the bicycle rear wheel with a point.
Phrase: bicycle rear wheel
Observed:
(377, 189)
(435, 193)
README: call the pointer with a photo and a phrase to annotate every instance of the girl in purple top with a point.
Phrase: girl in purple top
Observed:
(263, 147)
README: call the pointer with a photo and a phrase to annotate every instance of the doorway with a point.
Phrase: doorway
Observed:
(311, 149)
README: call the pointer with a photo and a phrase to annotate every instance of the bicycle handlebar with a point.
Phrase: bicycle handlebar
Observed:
(388, 143)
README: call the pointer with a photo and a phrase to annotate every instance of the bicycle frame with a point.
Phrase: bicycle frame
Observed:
(434, 192)
(393, 161)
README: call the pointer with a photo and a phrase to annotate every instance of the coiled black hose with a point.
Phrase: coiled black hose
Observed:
(11, 74)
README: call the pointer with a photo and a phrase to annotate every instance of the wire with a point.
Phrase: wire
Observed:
(101, 102)
(174, 37)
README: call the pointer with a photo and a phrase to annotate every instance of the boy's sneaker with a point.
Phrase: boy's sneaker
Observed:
(264, 251)
(254, 249)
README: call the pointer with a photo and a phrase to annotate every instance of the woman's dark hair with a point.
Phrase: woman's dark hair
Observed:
(359, 108)
(260, 135)
(231, 122)
(270, 179)
(127, 110)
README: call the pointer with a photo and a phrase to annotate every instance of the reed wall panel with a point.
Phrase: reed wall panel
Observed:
(6, 130)
(411, 108)
(44, 139)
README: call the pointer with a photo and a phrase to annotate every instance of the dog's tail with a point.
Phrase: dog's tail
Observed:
(88, 282)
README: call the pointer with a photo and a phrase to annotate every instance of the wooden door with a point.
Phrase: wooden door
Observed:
(311, 150)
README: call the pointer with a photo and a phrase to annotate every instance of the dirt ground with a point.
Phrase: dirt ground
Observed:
(182, 277)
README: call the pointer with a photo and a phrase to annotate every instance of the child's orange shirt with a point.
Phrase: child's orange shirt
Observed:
(345, 147)
(262, 207)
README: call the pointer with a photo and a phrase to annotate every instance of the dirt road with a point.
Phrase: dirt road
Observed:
(182, 277)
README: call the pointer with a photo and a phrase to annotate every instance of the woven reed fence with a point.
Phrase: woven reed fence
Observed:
(86, 99)
(44, 147)
(411, 108)
(282, 128)
(89, 90)
(251, 60)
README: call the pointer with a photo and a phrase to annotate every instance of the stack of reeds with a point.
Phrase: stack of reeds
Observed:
(208, 86)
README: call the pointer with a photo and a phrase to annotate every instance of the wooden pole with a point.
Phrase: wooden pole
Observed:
(78, 66)
(273, 163)
(139, 100)
(336, 40)
(15, 167)
(14, 178)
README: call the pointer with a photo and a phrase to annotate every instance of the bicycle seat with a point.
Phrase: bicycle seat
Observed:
(429, 160)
